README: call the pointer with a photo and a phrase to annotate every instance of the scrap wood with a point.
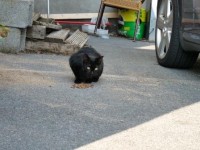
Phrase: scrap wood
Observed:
(36, 32)
(56, 41)
(36, 16)
(58, 36)
(48, 25)
(47, 20)
(78, 38)
(49, 47)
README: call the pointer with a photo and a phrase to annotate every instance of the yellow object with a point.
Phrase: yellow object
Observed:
(143, 15)
(128, 21)
(128, 15)
(3, 31)
(131, 15)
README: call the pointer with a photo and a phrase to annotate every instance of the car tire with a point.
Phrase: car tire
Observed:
(169, 52)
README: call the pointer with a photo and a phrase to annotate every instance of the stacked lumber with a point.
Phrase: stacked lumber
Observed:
(47, 36)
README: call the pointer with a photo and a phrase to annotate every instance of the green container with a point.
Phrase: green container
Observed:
(127, 23)
(140, 31)
(128, 30)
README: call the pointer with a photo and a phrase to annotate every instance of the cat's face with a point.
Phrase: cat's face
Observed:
(92, 69)
(92, 66)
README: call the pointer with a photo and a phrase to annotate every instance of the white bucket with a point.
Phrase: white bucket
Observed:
(103, 33)
(88, 28)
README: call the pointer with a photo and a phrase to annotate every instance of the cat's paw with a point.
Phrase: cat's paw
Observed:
(77, 81)
(95, 79)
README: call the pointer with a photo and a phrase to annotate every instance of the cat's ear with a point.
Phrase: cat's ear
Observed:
(100, 59)
(86, 59)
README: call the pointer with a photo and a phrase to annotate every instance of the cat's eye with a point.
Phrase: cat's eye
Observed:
(88, 68)
(96, 69)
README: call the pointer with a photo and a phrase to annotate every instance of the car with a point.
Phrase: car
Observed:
(177, 35)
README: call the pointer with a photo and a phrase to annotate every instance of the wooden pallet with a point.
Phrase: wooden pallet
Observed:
(78, 38)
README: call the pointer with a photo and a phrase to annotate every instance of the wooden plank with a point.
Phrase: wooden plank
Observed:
(78, 38)
(36, 32)
(81, 44)
(58, 36)
(80, 15)
(49, 47)
(48, 25)
(46, 20)
(127, 4)
(36, 16)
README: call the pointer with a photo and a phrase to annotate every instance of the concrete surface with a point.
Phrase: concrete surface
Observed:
(137, 104)
(16, 13)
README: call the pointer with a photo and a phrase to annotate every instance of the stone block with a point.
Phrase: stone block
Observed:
(16, 13)
(14, 42)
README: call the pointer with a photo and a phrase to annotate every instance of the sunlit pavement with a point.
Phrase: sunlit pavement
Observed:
(177, 130)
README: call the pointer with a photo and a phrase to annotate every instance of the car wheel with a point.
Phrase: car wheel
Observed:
(169, 52)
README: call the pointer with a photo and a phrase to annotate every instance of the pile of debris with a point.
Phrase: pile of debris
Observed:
(25, 31)
(47, 36)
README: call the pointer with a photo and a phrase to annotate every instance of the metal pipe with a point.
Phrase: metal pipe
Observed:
(48, 9)
(78, 22)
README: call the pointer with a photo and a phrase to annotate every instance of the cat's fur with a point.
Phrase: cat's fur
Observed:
(87, 65)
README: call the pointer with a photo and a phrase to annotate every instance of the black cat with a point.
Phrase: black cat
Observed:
(87, 65)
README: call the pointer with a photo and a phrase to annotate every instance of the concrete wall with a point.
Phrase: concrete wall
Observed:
(16, 13)
(17, 16)
(69, 6)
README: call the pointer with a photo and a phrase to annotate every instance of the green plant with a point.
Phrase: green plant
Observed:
(3, 31)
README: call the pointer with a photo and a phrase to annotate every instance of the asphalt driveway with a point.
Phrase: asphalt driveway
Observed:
(136, 104)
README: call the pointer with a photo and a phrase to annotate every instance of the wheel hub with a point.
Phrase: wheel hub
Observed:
(165, 31)
(164, 27)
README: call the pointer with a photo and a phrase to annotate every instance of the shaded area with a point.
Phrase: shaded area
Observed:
(40, 110)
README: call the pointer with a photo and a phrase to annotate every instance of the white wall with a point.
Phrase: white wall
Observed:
(69, 6)
(153, 20)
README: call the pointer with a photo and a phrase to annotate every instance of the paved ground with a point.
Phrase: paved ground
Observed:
(137, 104)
